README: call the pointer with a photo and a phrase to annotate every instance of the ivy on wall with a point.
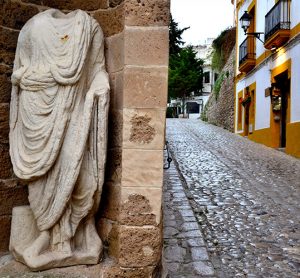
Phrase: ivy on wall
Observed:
(222, 47)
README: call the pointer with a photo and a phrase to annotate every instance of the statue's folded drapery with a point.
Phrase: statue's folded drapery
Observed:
(58, 118)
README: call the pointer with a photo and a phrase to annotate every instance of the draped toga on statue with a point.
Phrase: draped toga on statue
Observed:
(58, 122)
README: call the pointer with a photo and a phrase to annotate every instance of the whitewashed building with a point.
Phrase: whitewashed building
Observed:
(195, 104)
(267, 84)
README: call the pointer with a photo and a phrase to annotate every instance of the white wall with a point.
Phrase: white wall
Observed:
(295, 13)
(261, 10)
(262, 77)
(295, 84)
(262, 105)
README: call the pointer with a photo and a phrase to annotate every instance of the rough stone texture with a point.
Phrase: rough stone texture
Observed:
(11, 194)
(245, 197)
(146, 46)
(6, 171)
(145, 87)
(111, 20)
(220, 109)
(144, 129)
(142, 168)
(141, 131)
(117, 272)
(5, 221)
(5, 85)
(14, 14)
(114, 3)
(139, 246)
(8, 43)
(87, 5)
(4, 122)
(141, 206)
(147, 12)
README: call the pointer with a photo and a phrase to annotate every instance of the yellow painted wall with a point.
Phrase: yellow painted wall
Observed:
(293, 139)
(268, 136)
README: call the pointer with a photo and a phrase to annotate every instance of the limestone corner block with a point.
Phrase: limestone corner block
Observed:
(114, 52)
(140, 206)
(147, 13)
(145, 46)
(116, 90)
(110, 20)
(142, 168)
(114, 166)
(145, 87)
(110, 201)
(144, 129)
(115, 126)
(139, 246)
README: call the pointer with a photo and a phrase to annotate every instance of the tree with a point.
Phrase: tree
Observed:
(185, 74)
(175, 40)
(185, 69)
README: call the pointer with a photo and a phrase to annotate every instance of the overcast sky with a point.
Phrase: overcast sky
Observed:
(206, 18)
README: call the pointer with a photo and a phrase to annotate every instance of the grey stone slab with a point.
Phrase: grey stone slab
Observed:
(174, 253)
(196, 242)
(199, 254)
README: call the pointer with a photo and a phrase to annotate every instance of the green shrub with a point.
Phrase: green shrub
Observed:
(218, 85)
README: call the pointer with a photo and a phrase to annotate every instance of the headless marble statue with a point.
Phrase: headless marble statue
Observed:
(58, 134)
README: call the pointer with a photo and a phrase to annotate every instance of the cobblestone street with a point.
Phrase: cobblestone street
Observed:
(244, 198)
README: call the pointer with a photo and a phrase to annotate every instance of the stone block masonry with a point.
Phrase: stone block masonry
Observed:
(220, 106)
(136, 47)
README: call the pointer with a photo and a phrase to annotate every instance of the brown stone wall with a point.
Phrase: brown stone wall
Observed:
(220, 106)
(136, 45)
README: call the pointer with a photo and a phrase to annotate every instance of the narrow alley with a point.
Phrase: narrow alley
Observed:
(244, 197)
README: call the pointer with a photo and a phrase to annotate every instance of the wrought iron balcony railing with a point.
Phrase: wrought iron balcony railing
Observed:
(278, 18)
(247, 50)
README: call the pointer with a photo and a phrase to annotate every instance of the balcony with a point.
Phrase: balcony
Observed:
(247, 55)
(277, 25)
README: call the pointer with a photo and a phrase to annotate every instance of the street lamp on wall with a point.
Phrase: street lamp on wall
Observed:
(245, 21)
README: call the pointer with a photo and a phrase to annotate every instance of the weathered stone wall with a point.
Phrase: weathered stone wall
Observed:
(220, 106)
(129, 220)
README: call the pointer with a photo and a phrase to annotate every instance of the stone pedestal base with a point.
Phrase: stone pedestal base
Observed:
(32, 247)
